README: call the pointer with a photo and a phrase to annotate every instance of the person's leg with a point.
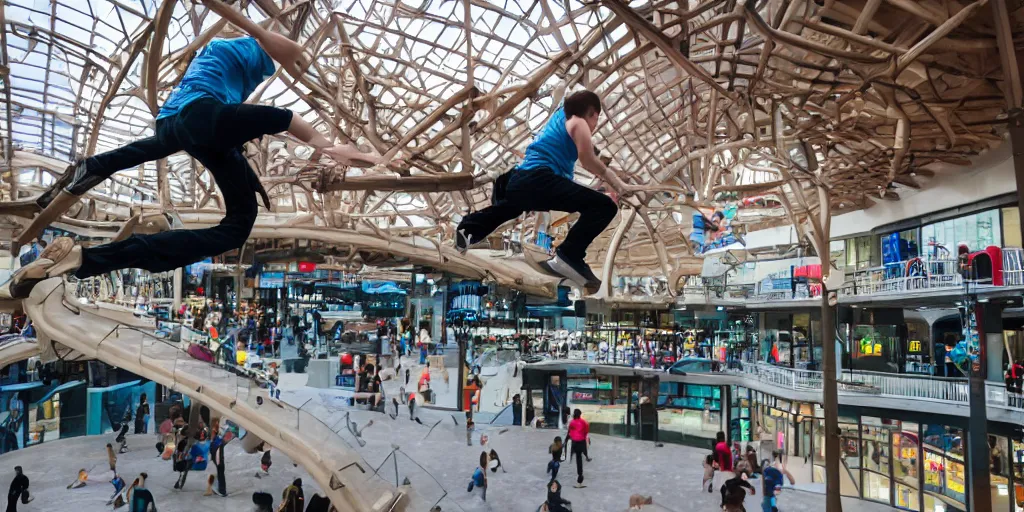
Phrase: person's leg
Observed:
(173, 249)
(222, 485)
(85, 174)
(477, 225)
(577, 452)
(546, 191)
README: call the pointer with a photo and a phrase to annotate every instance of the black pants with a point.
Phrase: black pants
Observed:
(213, 133)
(578, 450)
(222, 484)
(12, 501)
(542, 190)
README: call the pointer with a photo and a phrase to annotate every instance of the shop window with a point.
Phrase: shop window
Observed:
(850, 247)
(944, 470)
(875, 446)
(918, 341)
(819, 450)
(850, 456)
(869, 253)
(875, 348)
(977, 231)
(1011, 227)
(837, 253)
(905, 458)
(999, 472)
(900, 247)
(688, 410)
(1017, 466)
(876, 487)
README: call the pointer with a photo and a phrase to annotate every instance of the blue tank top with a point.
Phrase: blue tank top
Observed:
(227, 70)
(552, 148)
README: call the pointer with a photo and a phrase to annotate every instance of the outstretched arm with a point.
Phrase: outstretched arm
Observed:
(345, 154)
(283, 50)
(580, 133)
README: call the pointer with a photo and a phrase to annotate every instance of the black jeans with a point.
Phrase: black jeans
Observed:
(578, 448)
(213, 133)
(542, 190)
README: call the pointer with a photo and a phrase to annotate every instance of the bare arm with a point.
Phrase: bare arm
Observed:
(283, 50)
(580, 133)
(305, 132)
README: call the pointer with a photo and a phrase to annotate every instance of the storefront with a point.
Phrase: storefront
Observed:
(792, 339)
(904, 464)
(621, 402)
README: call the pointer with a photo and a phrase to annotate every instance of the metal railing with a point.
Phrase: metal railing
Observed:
(905, 276)
(996, 395)
(1013, 266)
(790, 378)
(911, 386)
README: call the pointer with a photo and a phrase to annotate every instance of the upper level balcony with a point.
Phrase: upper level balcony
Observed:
(797, 281)
(869, 389)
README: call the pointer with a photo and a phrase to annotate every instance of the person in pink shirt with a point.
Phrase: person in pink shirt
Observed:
(579, 431)
(723, 456)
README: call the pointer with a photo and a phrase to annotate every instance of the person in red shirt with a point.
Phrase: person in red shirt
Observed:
(723, 456)
(579, 430)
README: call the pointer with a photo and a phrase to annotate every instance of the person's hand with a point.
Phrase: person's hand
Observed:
(629, 190)
(348, 154)
(613, 194)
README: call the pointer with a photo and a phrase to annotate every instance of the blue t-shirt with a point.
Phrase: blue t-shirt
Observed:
(200, 455)
(552, 148)
(772, 479)
(227, 70)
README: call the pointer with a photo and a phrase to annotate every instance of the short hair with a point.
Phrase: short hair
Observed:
(580, 104)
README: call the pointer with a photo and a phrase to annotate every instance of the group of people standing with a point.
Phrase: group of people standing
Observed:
(730, 472)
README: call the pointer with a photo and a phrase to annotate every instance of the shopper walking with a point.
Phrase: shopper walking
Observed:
(579, 430)
(709, 473)
(18, 490)
(479, 478)
(294, 500)
(555, 502)
(735, 490)
(723, 456)
(141, 498)
(182, 463)
(556, 454)
(772, 478)
(265, 464)
(142, 416)
(111, 458)
(217, 456)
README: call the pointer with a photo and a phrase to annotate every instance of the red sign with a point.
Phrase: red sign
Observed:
(307, 266)
(582, 395)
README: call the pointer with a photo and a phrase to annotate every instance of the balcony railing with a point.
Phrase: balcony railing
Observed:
(996, 395)
(790, 378)
(912, 275)
(909, 386)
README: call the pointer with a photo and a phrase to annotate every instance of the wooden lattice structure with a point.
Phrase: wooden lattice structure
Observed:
(857, 100)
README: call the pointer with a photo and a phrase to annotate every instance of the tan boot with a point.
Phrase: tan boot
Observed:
(61, 254)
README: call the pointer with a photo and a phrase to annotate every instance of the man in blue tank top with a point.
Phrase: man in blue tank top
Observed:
(544, 182)
(206, 117)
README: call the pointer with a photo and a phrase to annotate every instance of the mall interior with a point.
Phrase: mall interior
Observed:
(821, 200)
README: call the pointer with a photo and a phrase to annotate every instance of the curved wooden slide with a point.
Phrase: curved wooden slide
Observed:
(17, 348)
(95, 332)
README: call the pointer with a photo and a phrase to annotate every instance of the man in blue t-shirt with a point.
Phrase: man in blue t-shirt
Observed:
(773, 479)
(543, 181)
(207, 117)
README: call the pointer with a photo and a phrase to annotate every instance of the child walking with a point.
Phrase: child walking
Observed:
(479, 478)
(556, 456)
(709, 472)
(264, 465)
